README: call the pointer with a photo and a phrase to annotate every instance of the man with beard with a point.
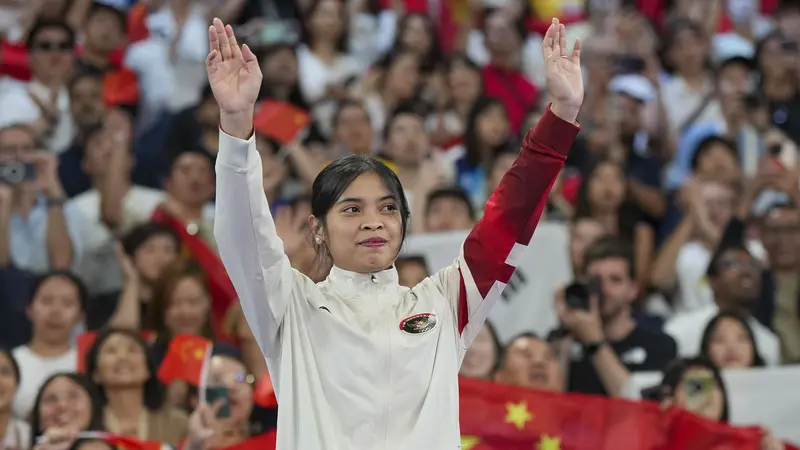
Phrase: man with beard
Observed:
(735, 278)
(608, 342)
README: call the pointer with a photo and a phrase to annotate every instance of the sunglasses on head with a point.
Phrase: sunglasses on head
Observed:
(48, 46)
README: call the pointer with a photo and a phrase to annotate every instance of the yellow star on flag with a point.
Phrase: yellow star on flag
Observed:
(549, 443)
(199, 354)
(468, 442)
(518, 414)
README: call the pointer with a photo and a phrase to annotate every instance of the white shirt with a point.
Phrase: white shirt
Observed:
(687, 330)
(17, 436)
(19, 108)
(99, 268)
(680, 103)
(35, 370)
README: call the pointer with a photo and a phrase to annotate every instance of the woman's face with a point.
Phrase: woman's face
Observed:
(718, 199)
(492, 126)
(606, 188)
(730, 346)
(481, 356)
(583, 233)
(121, 363)
(8, 383)
(718, 163)
(363, 229)
(152, 257)
(465, 83)
(699, 392)
(326, 21)
(416, 36)
(281, 68)
(689, 52)
(55, 310)
(188, 307)
(232, 374)
(274, 169)
(402, 77)
(65, 404)
(773, 61)
(191, 180)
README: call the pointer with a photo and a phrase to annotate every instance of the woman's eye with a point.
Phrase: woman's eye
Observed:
(351, 209)
(390, 208)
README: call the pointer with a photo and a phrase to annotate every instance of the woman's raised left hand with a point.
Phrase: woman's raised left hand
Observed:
(564, 77)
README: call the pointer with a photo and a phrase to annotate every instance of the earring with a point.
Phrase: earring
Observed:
(318, 239)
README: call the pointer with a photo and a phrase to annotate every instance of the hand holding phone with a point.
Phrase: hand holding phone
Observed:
(220, 398)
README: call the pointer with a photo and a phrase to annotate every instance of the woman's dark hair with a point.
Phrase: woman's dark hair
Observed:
(154, 391)
(98, 7)
(457, 58)
(675, 371)
(337, 176)
(140, 234)
(705, 342)
(670, 36)
(79, 443)
(95, 398)
(628, 215)
(433, 56)
(295, 96)
(450, 192)
(83, 292)
(13, 361)
(164, 289)
(42, 25)
(474, 155)
(306, 37)
(706, 144)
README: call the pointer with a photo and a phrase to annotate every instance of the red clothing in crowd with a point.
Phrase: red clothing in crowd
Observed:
(513, 89)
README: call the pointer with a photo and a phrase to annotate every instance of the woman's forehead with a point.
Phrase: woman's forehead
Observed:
(367, 187)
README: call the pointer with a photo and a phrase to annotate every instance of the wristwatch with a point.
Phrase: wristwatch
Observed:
(591, 348)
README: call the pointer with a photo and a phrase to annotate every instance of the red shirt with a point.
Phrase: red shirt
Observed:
(513, 89)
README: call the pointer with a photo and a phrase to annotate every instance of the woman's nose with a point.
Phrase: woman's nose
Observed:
(372, 226)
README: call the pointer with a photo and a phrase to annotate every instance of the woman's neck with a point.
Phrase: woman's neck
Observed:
(324, 50)
(126, 405)
(48, 349)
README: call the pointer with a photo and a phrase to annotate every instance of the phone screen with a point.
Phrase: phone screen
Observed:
(698, 390)
(219, 393)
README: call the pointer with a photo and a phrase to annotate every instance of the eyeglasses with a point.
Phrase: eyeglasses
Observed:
(737, 264)
(50, 46)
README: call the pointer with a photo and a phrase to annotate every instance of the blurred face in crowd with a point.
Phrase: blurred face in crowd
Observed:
(154, 255)
(16, 143)
(737, 284)
(502, 163)
(188, 307)
(718, 163)
(530, 362)
(582, 233)
(718, 199)
(501, 37)
(121, 363)
(780, 234)
(402, 76)
(191, 180)
(774, 62)
(104, 32)
(55, 310)
(327, 20)
(97, 153)
(407, 142)
(65, 404)
(8, 383)
(493, 126)
(417, 35)
(789, 23)
(411, 272)
(275, 169)
(730, 346)
(86, 101)
(629, 114)
(699, 392)
(481, 356)
(208, 112)
(52, 55)
(280, 68)
(618, 286)
(447, 214)
(353, 129)
(464, 82)
(606, 189)
(232, 374)
(688, 52)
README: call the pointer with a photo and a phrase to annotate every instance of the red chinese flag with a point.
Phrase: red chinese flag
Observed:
(130, 443)
(120, 88)
(280, 121)
(264, 394)
(184, 359)
(83, 343)
(263, 441)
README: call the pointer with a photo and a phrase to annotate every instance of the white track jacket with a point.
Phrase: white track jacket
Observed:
(357, 361)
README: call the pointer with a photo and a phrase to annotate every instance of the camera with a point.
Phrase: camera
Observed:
(578, 293)
(15, 172)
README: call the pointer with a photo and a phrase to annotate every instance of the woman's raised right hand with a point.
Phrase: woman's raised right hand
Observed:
(56, 439)
(235, 78)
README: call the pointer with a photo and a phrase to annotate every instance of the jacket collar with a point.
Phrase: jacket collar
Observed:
(341, 277)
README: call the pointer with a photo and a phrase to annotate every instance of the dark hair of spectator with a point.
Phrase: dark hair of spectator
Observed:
(142, 233)
(452, 192)
(295, 96)
(337, 176)
(502, 352)
(723, 249)
(387, 61)
(628, 214)
(199, 151)
(95, 398)
(348, 103)
(98, 78)
(164, 289)
(508, 149)
(83, 293)
(676, 370)
(154, 392)
(99, 7)
(787, 7)
(705, 342)
(42, 25)
(13, 362)
(669, 40)
(412, 259)
(705, 145)
(433, 56)
(405, 109)
(307, 38)
(786, 205)
(761, 46)
(472, 141)
(457, 59)
(610, 247)
(518, 26)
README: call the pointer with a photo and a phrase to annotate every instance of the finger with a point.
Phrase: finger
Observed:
(562, 40)
(594, 304)
(576, 52)
(250, 60)
(213, 40)
(548, 41)
(224, 44)
(236, 52)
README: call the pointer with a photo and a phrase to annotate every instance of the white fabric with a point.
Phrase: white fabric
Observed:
(636, 86)
(346, 375)
(17, 435)
(680, 102)
(35, 370)
(19, 108)
(99, 268)
(687, 330)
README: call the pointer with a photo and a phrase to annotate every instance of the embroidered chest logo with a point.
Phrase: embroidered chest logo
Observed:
(419, 323)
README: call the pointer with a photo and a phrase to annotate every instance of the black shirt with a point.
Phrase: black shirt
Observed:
(642, 350)
(102, 307)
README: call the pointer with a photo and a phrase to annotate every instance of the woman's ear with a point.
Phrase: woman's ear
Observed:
(315, 225)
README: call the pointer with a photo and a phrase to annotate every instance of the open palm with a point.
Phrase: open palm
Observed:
(564, 78)
(233, 72)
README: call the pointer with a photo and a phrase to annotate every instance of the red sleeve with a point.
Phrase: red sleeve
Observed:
(493, 248)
